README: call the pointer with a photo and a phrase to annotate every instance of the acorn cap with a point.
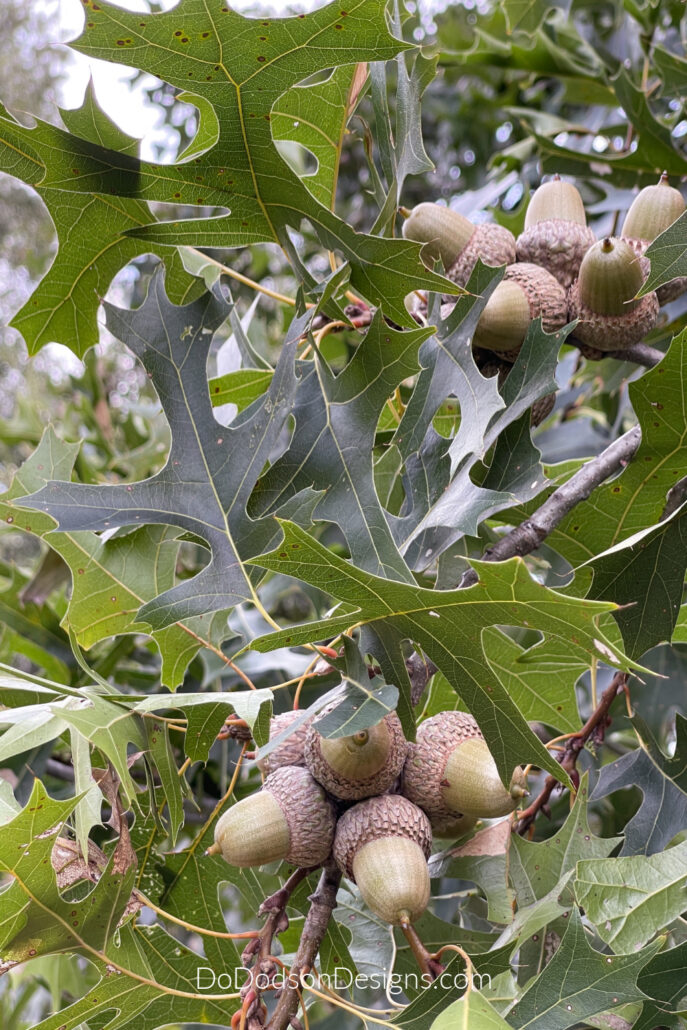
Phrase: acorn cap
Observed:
(653, 210)
(450, 236)
(450, 772)
(541, 408)
(556, 235)
(290, 750)
(504, 329)
(491, 244)
(359, 765)
(382, 844)
(603, 300)
(291, 818)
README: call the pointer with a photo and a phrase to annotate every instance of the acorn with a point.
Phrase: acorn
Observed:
(526, 292)
(541, 408)
(450, 772)
(610, 317)
(556, 235)
(654, 210)
(383, 844)
(290, 750)
(291, 818)
(458, 242)
(358, 766)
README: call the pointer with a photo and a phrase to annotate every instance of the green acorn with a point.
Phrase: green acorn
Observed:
(383, 844)
(653, 211)
(450, 773)
(290, 819)
(556, 235)
(604, 300)
(460, 244)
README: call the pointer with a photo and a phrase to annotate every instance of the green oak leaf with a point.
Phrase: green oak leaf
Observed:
(472, 1010)
(156, 982)
(90, 229)
(447, 624)
(636, 498)
(646, 573)
(241, 66)
(34, 918)
(457, 501)
(664, 980)
(210, 470)
(672, 70)
(331, 448)
(483, 860)
(579, 982)
(663, 783)
(526, 15)
(315, 116)
(632, 898)
(536, 868)
(111, 578)
(655, 150)
(668, 255)
(541, 679)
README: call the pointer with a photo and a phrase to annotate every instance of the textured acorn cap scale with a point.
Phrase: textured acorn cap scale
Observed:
(504, 322)
(450, 772)
(450, 236)
(291, 818)
(653, 211)
(556, 235)
(603, 299)
(359, 765)
(290, 750)
(383, 844)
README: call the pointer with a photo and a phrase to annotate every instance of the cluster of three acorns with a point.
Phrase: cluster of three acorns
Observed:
(307, 810)
(556, 269)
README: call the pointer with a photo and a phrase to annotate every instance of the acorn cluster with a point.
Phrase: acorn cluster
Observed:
(372, 801)
(556, 268)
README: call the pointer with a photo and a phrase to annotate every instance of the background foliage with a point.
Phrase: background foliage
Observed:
(147, 591)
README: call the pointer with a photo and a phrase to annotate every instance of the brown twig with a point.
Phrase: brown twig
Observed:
(258, 952)
(428, 963)
(322, 904)
(594, 729)
(528, 536)
(638, 353)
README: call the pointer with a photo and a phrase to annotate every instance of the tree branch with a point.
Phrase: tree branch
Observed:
(528, 536)
(322, 904)
(639, 353)
(595, 727)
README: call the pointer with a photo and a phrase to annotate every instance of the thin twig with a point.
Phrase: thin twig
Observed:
(528, 536)
(322, 904)
(594, 728)
(638, 353)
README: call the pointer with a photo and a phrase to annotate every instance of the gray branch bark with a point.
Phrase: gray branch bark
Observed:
(528, 536)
